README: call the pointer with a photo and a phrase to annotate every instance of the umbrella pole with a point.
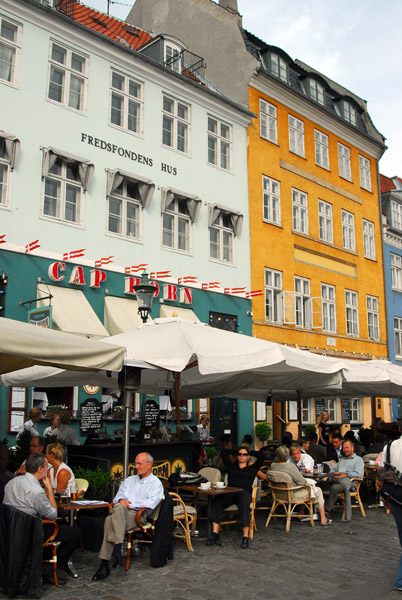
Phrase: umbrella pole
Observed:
(374, 415)
(177, 403)
(299, 412)
(127, 419)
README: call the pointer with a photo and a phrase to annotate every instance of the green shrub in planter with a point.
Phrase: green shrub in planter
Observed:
(100, 483)
(309, 429)
(263, 431)
(211, 451)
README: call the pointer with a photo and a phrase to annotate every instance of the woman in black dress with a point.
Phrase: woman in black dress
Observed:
(323, 429)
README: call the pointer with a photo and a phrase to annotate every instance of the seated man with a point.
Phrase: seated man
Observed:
(302, 460)
(304, 443)
(353, 466)
(318, 452)
(32, 493)
(143, 490)
(36, 445)
(334, 449)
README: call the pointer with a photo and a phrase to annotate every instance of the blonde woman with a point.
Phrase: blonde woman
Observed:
(60, 474)
(323, 428)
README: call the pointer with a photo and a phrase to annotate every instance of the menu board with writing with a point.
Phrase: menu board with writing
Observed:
(91, 416)
(151, 414)
(319, 407)
(345, 410)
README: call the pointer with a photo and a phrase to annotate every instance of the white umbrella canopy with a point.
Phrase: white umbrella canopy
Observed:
(23, 345)
(211, 362)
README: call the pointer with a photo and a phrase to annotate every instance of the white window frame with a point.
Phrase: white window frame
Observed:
(173, 51)
(5, 176)
(332, 408)
(268, 121)
(303, 315)
(224, 242)
(69, 75)
(328, 300)
(396, 271)
(127, 100)
(180, 125)
(178, 218)
(299, 211)
(278, 67)
(373, 326)
(396, 215)
(62, 181)
(321, 149)
(348, 231)
(273, 296)
(125, 201)
(220, 149)
(307, 411)
(356, 411)
(316, 91)
(398, 337)
(368, 239)
(365, 173)
(13, 47)
(296, 135)
(271, 200)
(352, 313)
(345, 168)
(349, 112)
(325, 223)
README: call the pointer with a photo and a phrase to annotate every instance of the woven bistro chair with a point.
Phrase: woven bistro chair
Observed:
(185, 517)
(353, 494)
(146, 531)
(288, 496)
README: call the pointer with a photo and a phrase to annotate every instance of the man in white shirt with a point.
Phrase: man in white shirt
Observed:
(143, 490)
(302, 460)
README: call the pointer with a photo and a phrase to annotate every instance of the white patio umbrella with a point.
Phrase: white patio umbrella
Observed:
(23, 345)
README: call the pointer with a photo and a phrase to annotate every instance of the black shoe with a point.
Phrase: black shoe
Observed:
(213, 540)
(117, 562)
(67, 570)
(244, 543)
(102, 573)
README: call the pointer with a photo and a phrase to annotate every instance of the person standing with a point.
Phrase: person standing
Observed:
(53, 429)
(35, 415)
(202, 428)
(323, 429)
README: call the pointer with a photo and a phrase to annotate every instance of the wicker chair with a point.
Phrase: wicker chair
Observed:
(353, 494)
(184, 516)
(288, 496)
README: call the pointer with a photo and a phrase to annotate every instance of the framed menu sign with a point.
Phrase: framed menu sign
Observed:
(17, 408)
(151, 414)
(91, 416)
(345, 410)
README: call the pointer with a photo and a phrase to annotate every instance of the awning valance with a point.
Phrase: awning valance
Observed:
(236, 218)
(167, 311)
(71, 311)
(121, 314)
(12, 146)
(168, 195)
(85, 167)
(146, 187)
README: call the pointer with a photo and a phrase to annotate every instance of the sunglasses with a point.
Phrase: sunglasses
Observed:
(242, 454)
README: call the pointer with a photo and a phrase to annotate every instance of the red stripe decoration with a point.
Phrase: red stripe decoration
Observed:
(103, 261)
(188, 279)
(159, 274)
(210, 286)
(32, 246)
(135, 268)
(74, 254)
(235, 290)
(254, 294)
(2, 238)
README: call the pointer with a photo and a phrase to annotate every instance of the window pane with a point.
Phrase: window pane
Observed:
(72, 204)
(56, 85)
(167, 134)
(8, 31)
(59, 54)
(117, 110)
(7, 62)
(117, 81)
(78, 63)
(115, 209)
(51, 205)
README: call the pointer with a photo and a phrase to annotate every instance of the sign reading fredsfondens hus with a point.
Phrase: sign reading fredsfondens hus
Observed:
(170, 291)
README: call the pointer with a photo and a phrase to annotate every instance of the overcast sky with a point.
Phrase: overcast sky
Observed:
(357, 43)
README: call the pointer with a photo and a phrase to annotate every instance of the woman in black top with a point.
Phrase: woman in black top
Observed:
(241, 474)
(323, 429)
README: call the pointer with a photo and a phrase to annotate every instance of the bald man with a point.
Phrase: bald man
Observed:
(143, 490)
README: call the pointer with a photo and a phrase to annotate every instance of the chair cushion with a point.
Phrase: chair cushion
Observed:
(178, 510)
(231, 508)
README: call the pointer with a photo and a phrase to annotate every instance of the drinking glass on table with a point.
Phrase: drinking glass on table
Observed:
(63, 497)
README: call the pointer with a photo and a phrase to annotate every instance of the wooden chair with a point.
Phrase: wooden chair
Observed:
(232, 511)
(184, 516)
(146, 530)
(288, 496)
(53, 544)
(353, 494)
(199, 501)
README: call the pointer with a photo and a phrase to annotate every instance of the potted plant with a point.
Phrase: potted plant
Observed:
(55, 409)
(263, 432)
(309, 429)
(118, 412)
(211, 452)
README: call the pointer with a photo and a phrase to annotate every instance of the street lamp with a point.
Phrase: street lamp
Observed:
(145, 294)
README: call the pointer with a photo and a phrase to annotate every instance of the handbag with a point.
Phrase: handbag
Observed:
(180, 477)
(392, 480)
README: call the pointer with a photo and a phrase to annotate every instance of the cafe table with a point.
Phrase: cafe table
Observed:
(211, 493)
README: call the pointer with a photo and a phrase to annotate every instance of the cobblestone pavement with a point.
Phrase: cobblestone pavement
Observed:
(356, 560)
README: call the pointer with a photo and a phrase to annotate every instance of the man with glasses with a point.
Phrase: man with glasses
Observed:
(241, 474)
(36, 446)
(143, 490)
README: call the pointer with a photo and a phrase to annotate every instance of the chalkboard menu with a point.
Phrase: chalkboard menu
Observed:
(345, 410)
(151, 414)
(91, 416)
(319, 407)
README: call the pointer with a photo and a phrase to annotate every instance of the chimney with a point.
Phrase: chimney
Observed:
(229, 5)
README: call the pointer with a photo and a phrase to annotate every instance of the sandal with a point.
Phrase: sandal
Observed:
(328, 522)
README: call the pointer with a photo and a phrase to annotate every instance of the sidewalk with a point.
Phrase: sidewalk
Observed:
(356, 561)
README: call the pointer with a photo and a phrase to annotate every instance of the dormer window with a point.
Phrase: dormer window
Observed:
(278, 67)
(316, 91)
(173, 57)
(349, 112)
